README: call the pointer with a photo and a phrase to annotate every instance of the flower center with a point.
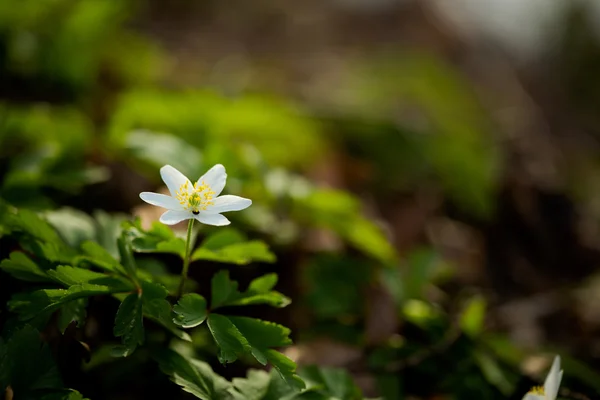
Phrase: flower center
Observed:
(195, 198)
(537, 390)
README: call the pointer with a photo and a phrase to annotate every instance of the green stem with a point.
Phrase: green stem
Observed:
(186, 260)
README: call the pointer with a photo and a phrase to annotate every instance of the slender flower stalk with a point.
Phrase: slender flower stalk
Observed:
(199, 201)
(186, 260)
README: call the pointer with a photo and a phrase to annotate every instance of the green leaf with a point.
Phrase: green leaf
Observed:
(160, 149)
(126, 254)
(225, 293)
(22, 267)
(262, 385)
(230, 246)
(108, 231)
(129, 325)
(493, 372)
(159, 239)
(261, 335)
(239, 335)
(28, 364)
(29, 222)
(254, 387)
(32, 304)
(286, 369)
(72, 311)
(69, 276)
(263, 284)
(231, 342)
(334, 381)
(73, 225)
(222, 238)
(223, 289)
(157, 308)
(172, 246)
(98, 256)
(340, 212)
(473, 316)
(37, 236)
(190, 310)
(194, 376)
(259, 292)
(239, 253)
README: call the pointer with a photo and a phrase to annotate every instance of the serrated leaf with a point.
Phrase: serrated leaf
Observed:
(225, 293)
(262, 385)
(129, 325)
(231, 342)
(190, 310)
(262, 334)
(222, 238)
(73, 225)
(157, 308)
(194, 376)
(69, 276)
(73, 311)
(263, 284)
(37, 236)
(238, 253)
(286, 369)
(335, 382)
(280, 389)
(109, 229)
(98, 256)
(254, 387)
(22, 267)
(159, 239)
(172, 246)
(222, 289)
(32, 304)
(238, 335)
(126, 254)
(259, 292)
(29, 222)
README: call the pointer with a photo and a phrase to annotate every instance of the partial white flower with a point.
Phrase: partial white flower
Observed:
(550, 389)
(200, 200)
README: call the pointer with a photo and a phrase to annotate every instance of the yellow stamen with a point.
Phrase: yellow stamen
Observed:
(537, 390)
(198, 198)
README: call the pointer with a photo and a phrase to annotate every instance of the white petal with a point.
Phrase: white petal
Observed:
(215, 178)
(531, 396)
(553, 379)
(161, 200)
(173, 178)
(172, 217)
(212, 219)
(228, 203)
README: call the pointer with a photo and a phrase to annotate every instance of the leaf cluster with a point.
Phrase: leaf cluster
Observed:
(63, 279)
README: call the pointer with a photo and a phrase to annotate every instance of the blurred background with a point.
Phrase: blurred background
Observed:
(427, 171)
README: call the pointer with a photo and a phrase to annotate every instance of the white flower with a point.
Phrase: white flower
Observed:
(550, 389)
(200, 200)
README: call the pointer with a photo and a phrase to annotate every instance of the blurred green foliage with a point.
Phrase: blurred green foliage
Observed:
(85, 115)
